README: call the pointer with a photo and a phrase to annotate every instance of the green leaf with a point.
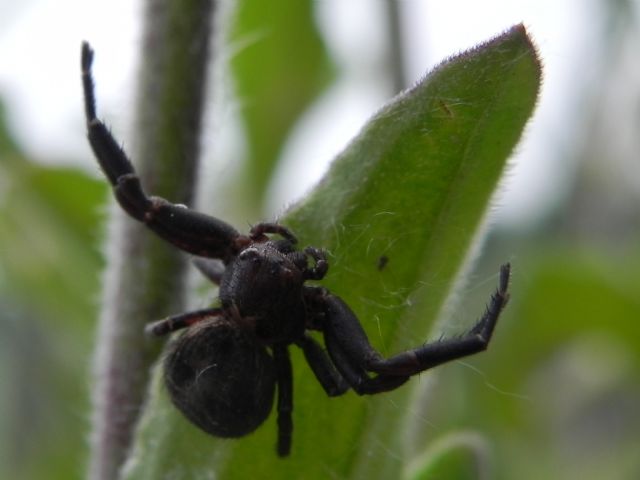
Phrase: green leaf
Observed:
(456, 455)
(280, 67)
(49, 270)
(412, 188)
(37, 267)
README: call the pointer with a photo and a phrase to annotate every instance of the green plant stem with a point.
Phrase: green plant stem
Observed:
(144, 276)
(396, 56)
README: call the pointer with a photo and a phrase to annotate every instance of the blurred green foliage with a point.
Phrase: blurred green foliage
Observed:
(49, 281)
(555, 397)
(279, 67)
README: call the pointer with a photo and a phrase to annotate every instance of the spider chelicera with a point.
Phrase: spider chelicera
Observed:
(223, 372)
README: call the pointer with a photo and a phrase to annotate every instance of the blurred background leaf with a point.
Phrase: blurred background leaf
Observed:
(562, 377)
(278, 66)
(49, 277)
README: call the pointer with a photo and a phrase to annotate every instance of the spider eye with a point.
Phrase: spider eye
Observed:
(249, 254)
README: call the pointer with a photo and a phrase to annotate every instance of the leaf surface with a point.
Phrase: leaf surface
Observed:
(399, 212)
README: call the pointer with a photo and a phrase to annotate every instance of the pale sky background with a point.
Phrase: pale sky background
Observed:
(40, 85)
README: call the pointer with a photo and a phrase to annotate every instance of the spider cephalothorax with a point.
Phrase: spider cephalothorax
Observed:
(224, 371)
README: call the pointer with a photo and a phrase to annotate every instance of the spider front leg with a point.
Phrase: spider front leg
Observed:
(258, 232)
(188, 230)
(354, 356)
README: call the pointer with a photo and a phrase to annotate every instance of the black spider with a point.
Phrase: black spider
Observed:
(223, 371)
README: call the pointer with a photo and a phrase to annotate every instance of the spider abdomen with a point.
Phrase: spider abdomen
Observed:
(221, 378)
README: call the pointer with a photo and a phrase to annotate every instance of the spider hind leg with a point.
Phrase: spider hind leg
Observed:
(354, 356)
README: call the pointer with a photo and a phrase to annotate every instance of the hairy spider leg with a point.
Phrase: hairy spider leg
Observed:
(353, 355)
(183, 320)
(190, 231)
(320, 363)
(352, 360)
(259, 230)
(284, 377)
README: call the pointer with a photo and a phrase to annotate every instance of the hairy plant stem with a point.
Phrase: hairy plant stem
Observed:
(144, 277)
